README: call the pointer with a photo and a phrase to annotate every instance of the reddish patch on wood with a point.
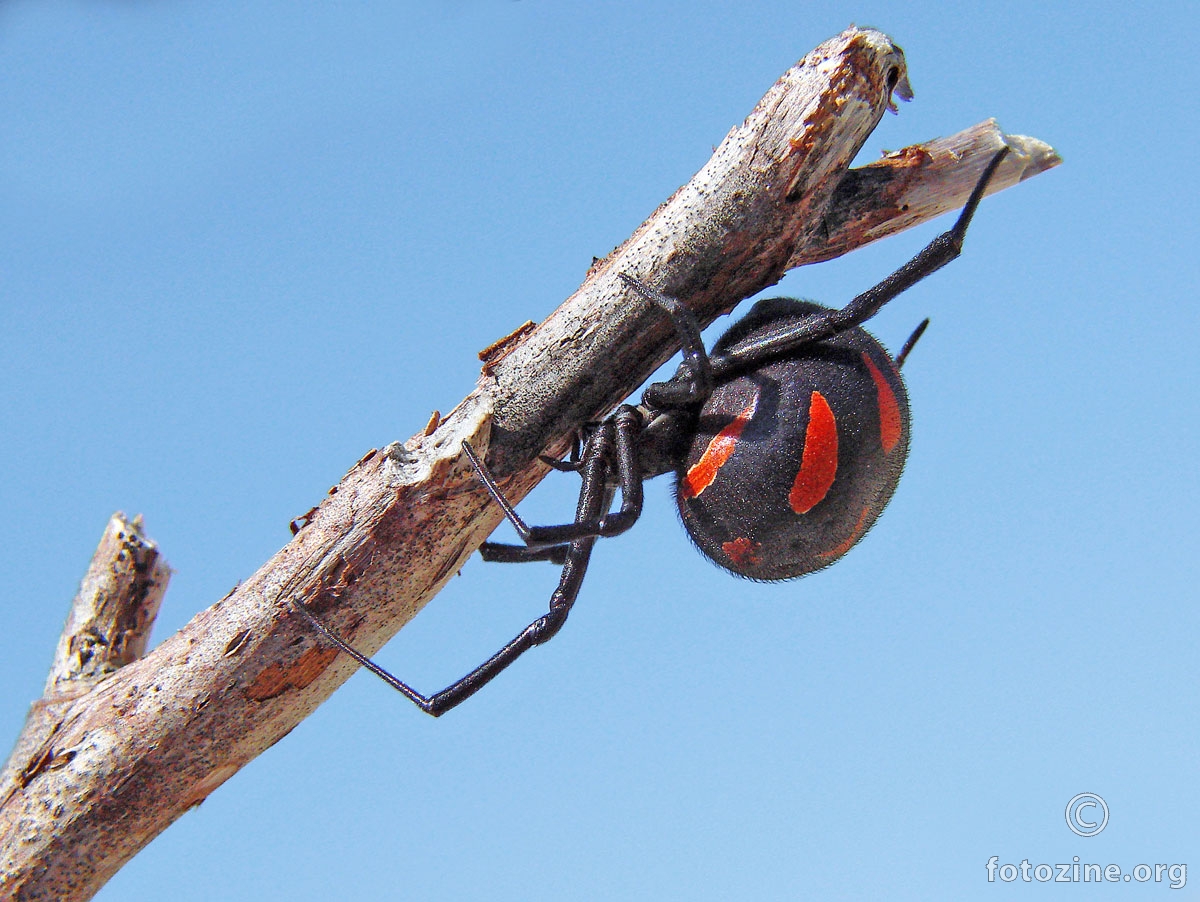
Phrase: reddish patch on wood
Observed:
(435, 420)
(277, 678)
(362, 460)
(303, 520)
(502, 347)
(911, 157)
(818, 466)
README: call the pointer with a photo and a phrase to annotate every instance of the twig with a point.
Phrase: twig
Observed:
(161, 734)
(913, 185)
(108, 627)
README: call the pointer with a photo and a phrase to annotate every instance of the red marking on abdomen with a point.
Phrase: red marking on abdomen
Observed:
(719, 450)
(855, 535)
(889, 407)
(742, 551)
(818, 466)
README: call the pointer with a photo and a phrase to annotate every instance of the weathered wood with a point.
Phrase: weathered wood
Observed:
(915, 184)
(108, 627)
(162, 733)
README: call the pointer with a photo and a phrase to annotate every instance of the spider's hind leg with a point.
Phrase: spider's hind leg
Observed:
(500, 553)
(941, 250)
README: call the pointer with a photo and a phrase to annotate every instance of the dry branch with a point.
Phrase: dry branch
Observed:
(108, 627)
(157, 737)
(913, 185)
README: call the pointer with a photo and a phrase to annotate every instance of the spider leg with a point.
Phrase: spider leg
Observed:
(563, 466)
(617, 436)
(912, 340)
(573, 465)
(497, 552)
(678, 392)
(594, 498)
(940, 251)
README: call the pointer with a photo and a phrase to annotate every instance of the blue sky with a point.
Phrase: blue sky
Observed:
(241, 244)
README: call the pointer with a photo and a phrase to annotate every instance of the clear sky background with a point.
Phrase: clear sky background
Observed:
(242, 244)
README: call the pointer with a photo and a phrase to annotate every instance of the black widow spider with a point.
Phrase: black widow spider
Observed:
(799, 411)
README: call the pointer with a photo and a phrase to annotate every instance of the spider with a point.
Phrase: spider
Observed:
(787, 441)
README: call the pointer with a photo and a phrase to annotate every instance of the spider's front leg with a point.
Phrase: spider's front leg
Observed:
(613, 442)
(940, 251)
(694, 382)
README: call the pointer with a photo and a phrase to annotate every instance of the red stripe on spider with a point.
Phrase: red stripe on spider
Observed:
(854, 536)
(719, 450)
(889, 407)
(818, 466)
(742, 551)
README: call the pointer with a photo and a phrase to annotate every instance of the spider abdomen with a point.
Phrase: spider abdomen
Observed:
(794, 460)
